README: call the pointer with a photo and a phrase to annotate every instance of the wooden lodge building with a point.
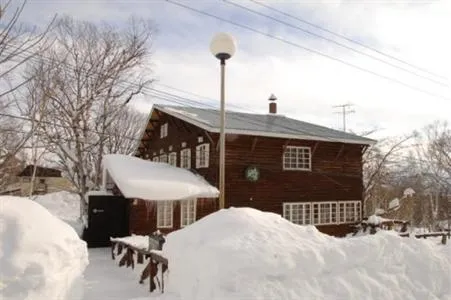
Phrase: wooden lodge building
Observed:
(307, 173)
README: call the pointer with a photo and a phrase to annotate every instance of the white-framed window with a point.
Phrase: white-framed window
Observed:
(173, 159)
(202, 155)
(351, 211)
(323, 213)
(187, 212)
(164, 158)
(297, 158)
(156, 159)
(164, 130)
(185, 158)
(164, 214)
(298, 213)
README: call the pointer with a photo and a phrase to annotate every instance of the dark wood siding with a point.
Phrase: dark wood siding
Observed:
(336, 171)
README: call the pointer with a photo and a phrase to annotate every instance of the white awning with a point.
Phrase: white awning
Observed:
(155, 181)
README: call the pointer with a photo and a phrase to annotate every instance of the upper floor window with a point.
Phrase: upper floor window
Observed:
(297, 158)
(185, 158)
(173, 159)
(164, 130)
(164, 158)
(202, 155)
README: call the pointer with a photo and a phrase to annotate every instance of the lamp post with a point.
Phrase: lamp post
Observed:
(223, 47)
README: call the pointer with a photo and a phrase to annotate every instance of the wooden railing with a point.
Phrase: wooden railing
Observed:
(444, 235)
(156, 260)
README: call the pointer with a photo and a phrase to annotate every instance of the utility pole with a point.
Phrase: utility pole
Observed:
(345, 110)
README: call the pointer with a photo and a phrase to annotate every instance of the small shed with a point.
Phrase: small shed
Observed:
(127, 179)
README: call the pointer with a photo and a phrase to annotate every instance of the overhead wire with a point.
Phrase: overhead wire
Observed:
(346, 38)
(172, 98)
(333, 41)
(297, 45)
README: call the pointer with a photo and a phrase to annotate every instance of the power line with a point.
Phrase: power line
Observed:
(334, 42)
(307, 49)
(62, 126)
(347, 38)
(171, 98)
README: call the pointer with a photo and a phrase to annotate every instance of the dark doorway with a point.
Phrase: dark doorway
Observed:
(107, 217)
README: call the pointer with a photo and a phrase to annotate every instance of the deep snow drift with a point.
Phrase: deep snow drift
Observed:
(41, 257)
(64, 205)
(242, 253)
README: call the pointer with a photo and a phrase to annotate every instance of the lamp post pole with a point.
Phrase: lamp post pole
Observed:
(223, 47)
(222, 140)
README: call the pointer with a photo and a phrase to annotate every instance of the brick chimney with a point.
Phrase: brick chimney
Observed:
(272, 104)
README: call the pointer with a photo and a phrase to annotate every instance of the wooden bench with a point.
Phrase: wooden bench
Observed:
(156, 259)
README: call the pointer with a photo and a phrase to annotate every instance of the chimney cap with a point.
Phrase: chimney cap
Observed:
(272, 97)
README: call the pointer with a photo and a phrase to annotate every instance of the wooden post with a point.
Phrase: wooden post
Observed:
(162, 277)
(444, 239)
(112, 249)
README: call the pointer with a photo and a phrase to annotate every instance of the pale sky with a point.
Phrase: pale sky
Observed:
(306, 84)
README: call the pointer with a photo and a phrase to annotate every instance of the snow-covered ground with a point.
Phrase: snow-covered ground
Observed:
(242, 253)
(105, 280)
(237, 253)
(41, 257)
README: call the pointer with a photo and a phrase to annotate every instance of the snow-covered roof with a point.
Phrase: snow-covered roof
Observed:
(155, 181)
(393, 204)
(270, 125)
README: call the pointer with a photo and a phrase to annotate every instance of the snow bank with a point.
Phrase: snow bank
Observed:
(142, 179)
(41, 257)
(64, 205)
(242, 253)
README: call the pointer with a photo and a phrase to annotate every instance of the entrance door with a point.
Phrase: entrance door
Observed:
(107, 217)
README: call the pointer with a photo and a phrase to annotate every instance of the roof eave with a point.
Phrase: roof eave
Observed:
(295, 136)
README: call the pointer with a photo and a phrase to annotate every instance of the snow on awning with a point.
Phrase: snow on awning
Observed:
(147, 180)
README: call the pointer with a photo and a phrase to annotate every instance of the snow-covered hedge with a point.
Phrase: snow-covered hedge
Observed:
(41, 257)
(242, 253)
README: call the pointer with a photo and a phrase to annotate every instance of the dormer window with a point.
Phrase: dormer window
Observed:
(164, 130)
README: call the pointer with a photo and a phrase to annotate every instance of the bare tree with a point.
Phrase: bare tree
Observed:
(379, 163)
(123, 134)
(19, 44)
(85, 81)
(434, 155)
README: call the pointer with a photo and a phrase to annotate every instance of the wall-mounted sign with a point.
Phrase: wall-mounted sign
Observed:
(252, 173)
